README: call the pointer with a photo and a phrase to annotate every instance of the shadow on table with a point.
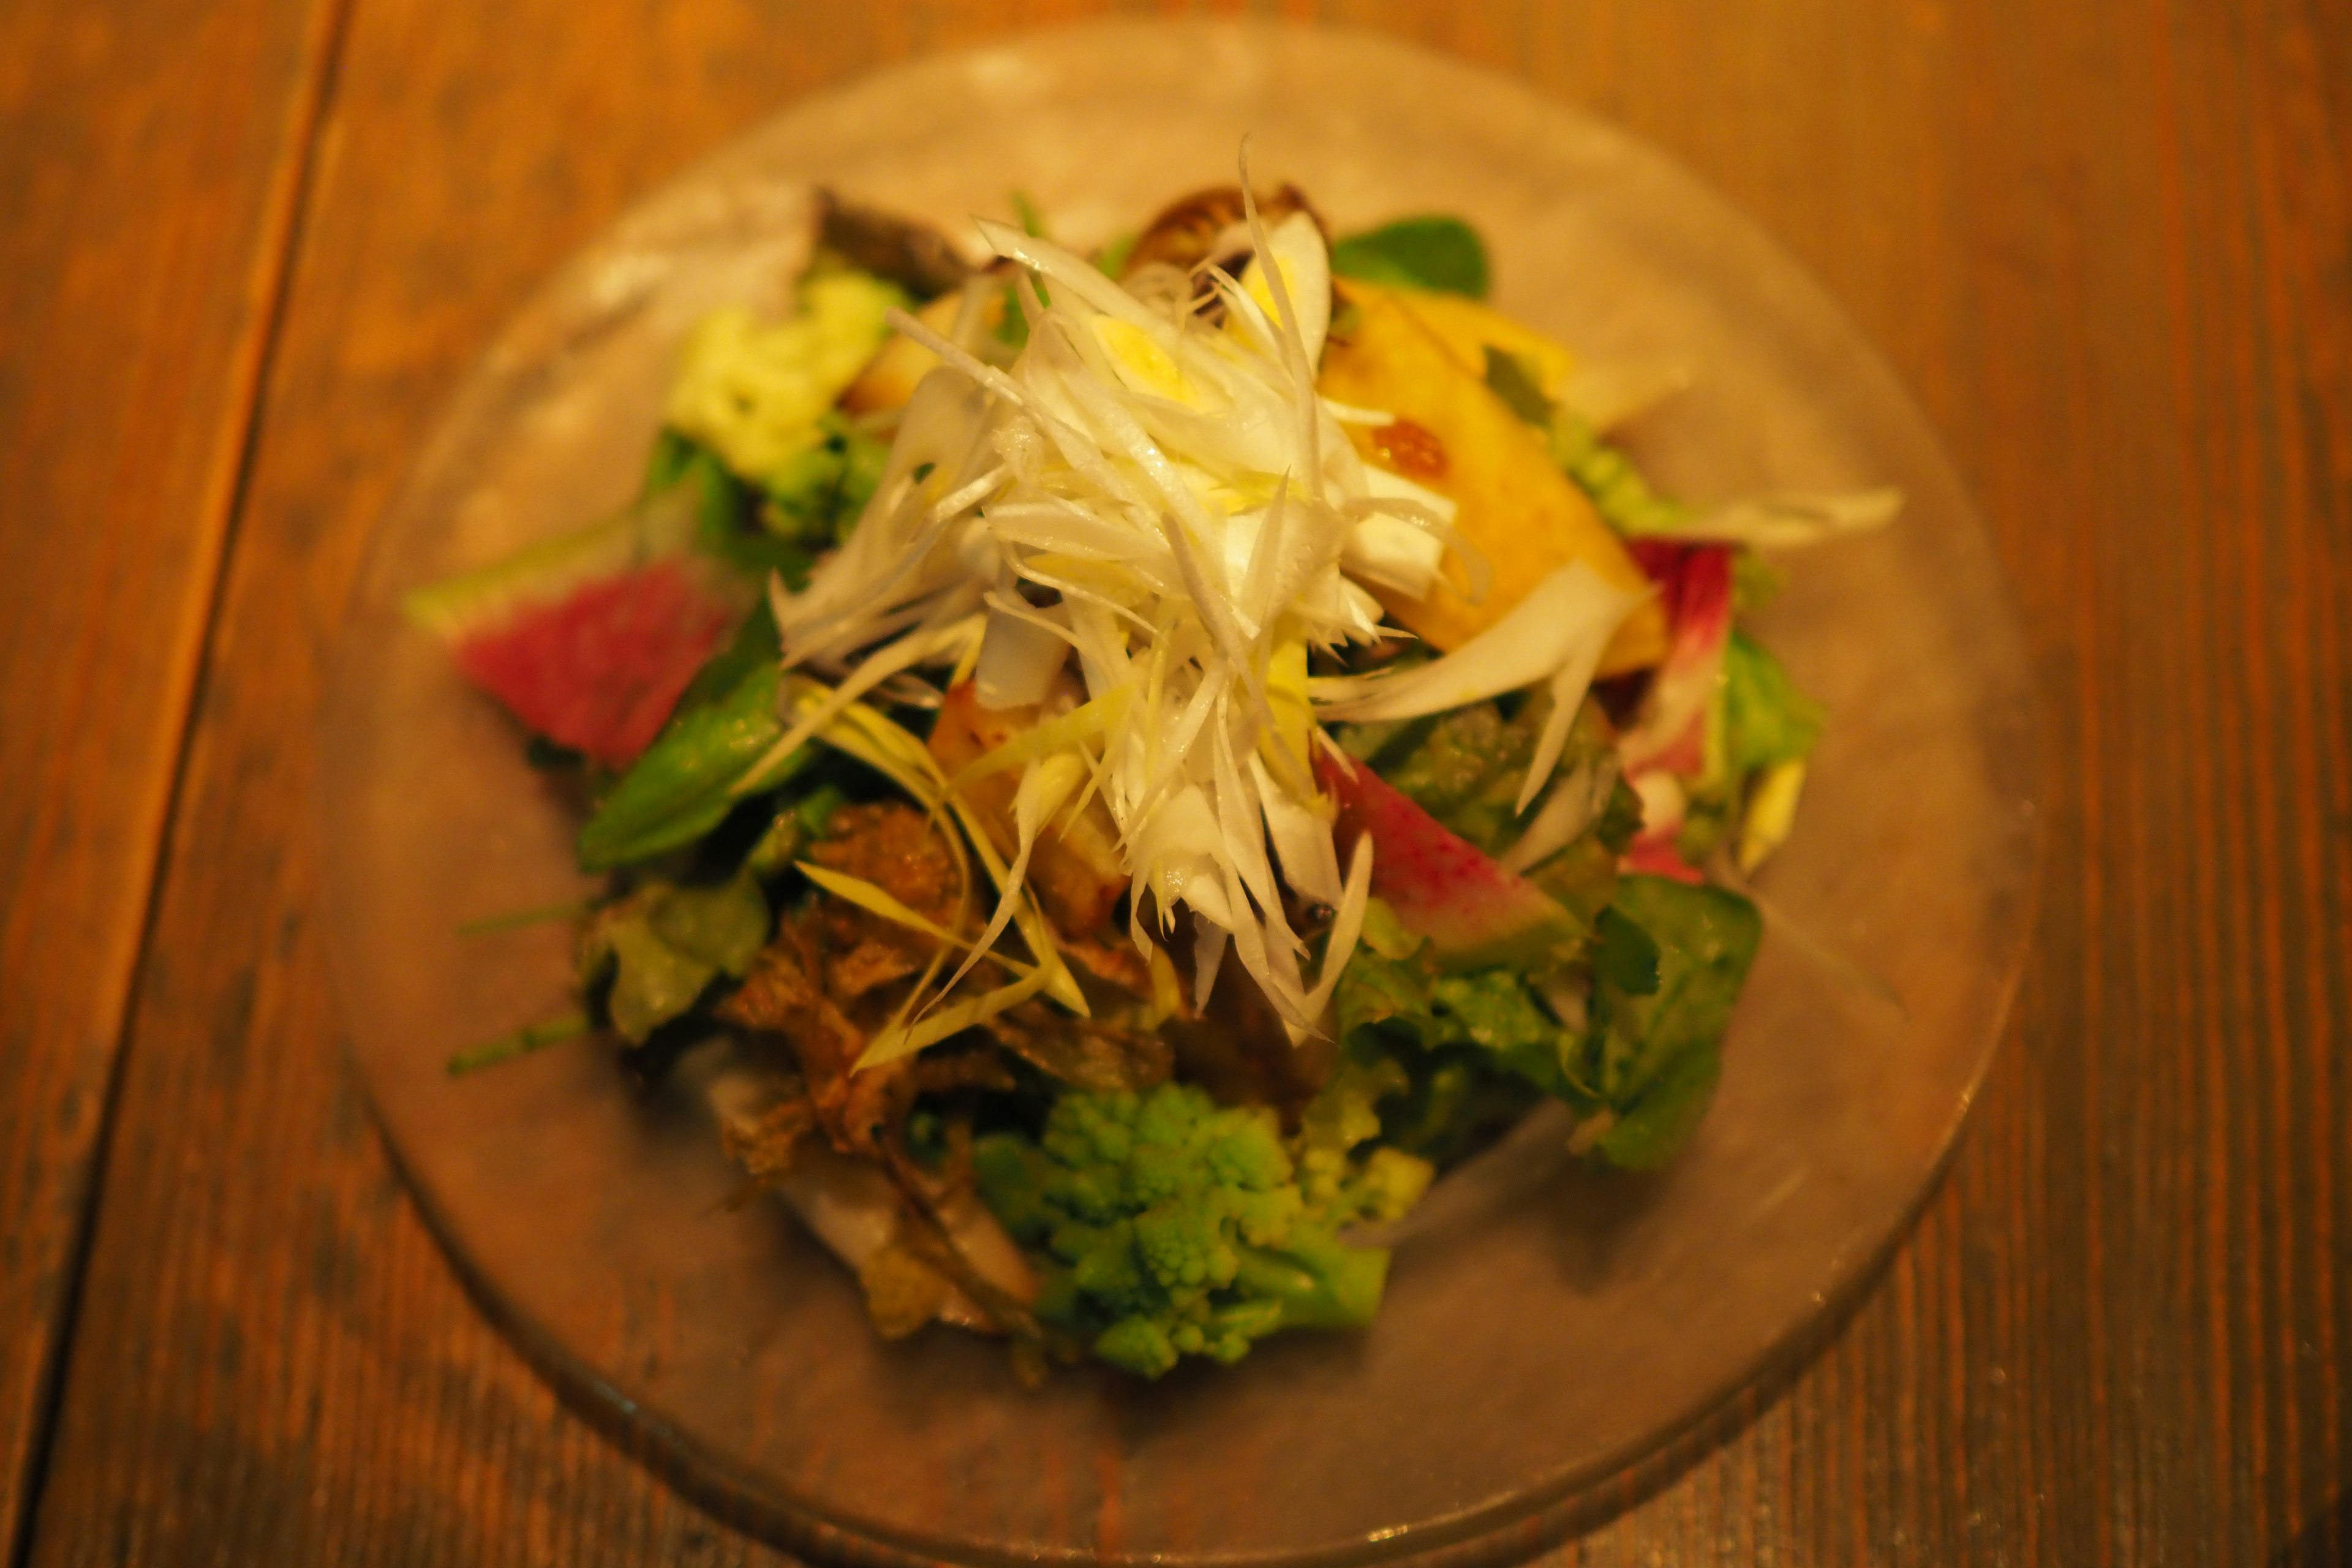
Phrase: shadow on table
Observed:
(2325, 1542)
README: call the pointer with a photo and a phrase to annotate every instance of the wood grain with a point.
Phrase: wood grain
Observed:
(2108, 246)
(148, 162)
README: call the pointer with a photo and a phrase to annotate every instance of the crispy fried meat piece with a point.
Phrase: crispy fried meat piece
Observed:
(1074, 869)
(781, 997)
(835, 973)
(766, 1144)
(900, 850)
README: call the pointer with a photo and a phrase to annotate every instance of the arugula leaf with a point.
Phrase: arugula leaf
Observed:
(1433, 252)
(1403, 1006)
(1654, 1129)
(1457, 1093)
(1382, 1001)
(1668, 963)
(1655, 1056)
(1582, 878)
(1494, 1010)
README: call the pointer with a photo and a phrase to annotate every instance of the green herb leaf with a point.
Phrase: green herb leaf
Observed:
(671, 454)
(1112, 258)
(1658, 1124)
(1494, 1010)
(724, 925)
(755, 643)
(1624, 955)
(1385, 935)
(794, 826)
(652, 981)
(1754, 582)
(1609, 478)
(517, 920)
(1013, 326)
(1652, 1055)
(521, 1043)
(815, 498)
(1433, 252)
(1406, 1008)
(1508, 377)
(1766, 719)
(1025, 208)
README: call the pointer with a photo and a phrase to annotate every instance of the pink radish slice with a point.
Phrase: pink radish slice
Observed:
(1441, 885)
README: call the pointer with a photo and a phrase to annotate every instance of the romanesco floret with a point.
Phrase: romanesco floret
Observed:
(1339, 1186)
(753, 392)
(1169, 1225)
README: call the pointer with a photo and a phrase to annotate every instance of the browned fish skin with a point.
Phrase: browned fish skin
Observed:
(913, 255)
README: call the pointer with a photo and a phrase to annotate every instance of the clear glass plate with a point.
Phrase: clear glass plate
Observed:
(1545, 1326)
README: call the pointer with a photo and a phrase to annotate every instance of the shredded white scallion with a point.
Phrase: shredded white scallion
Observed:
(1197, 521)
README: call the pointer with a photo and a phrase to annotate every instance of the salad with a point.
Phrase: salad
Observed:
(1117, 768)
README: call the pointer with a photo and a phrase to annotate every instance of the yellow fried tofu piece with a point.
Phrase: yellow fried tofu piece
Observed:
(1468, 329)
(1457, 437)
(889, 377)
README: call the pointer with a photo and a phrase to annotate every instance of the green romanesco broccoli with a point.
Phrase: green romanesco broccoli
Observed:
(754, 392)
(1340, 1186)
(1169, 1225)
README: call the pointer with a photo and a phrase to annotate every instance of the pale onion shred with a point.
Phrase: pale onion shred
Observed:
(1167, 510)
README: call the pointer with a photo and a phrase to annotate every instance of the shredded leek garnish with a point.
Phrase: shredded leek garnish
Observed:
(1199, 523)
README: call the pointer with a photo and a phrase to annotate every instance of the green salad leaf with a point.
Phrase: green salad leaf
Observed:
(1653, 1056)
(664, 944)
(815, 498)
(1766, 719)
(1610, 479)
(1667, 964)
(1435, 252)
(692, 775)
(1624, 955)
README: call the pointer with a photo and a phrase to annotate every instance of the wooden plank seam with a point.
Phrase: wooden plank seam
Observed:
(274, 263)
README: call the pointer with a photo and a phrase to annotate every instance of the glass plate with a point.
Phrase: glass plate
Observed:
(1546, 1326)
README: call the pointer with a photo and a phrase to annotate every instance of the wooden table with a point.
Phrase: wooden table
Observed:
(246, 246)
